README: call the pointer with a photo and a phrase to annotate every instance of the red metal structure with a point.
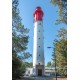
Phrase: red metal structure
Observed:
(38, 14)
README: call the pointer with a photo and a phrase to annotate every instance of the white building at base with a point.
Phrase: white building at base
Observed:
(49, 71)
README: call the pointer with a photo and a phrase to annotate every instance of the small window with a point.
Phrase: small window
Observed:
(39, 30)
(39, 46)
(39, 63)
(39, 54)
(38, 38)
(39, 23)
(28, 72)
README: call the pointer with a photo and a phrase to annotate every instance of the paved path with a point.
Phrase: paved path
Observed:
(40, 78)
(36, 78)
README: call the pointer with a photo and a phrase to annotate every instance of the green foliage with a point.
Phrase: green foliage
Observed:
(19, 32)
(60, 47)
(18, 67)
(49, 64)
(62, 10)
(62, 33)
(29, 64)
(19, 42)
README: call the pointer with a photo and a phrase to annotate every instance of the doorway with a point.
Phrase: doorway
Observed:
(39, 72)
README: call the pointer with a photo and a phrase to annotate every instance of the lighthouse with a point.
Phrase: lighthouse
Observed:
(38, 44)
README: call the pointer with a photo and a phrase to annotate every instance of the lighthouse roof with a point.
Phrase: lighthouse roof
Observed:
(38, 13)
(38, 7)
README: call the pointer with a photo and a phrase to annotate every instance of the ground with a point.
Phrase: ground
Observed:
(42, 78)
(59, 79)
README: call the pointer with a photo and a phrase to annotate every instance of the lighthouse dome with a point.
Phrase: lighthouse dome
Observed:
(38, 14)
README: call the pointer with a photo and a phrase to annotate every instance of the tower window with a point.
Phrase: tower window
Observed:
(39, 63)
(39, 46)
(39, 23)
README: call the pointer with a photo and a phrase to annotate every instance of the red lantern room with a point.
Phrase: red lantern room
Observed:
(38, 14)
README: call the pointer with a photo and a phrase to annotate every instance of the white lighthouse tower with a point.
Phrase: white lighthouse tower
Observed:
(38, 48)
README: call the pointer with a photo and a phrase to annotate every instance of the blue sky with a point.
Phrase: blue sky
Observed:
(27, 8)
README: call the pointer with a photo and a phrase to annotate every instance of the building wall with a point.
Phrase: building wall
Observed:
(48, 71)
(38, 48)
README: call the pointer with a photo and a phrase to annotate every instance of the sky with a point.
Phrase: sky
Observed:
(27, 8)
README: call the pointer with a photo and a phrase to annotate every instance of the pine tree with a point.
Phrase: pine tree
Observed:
(19, 42)
(60, 47)
(62, 10)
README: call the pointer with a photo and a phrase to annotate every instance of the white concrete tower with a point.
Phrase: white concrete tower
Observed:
(38, 50)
